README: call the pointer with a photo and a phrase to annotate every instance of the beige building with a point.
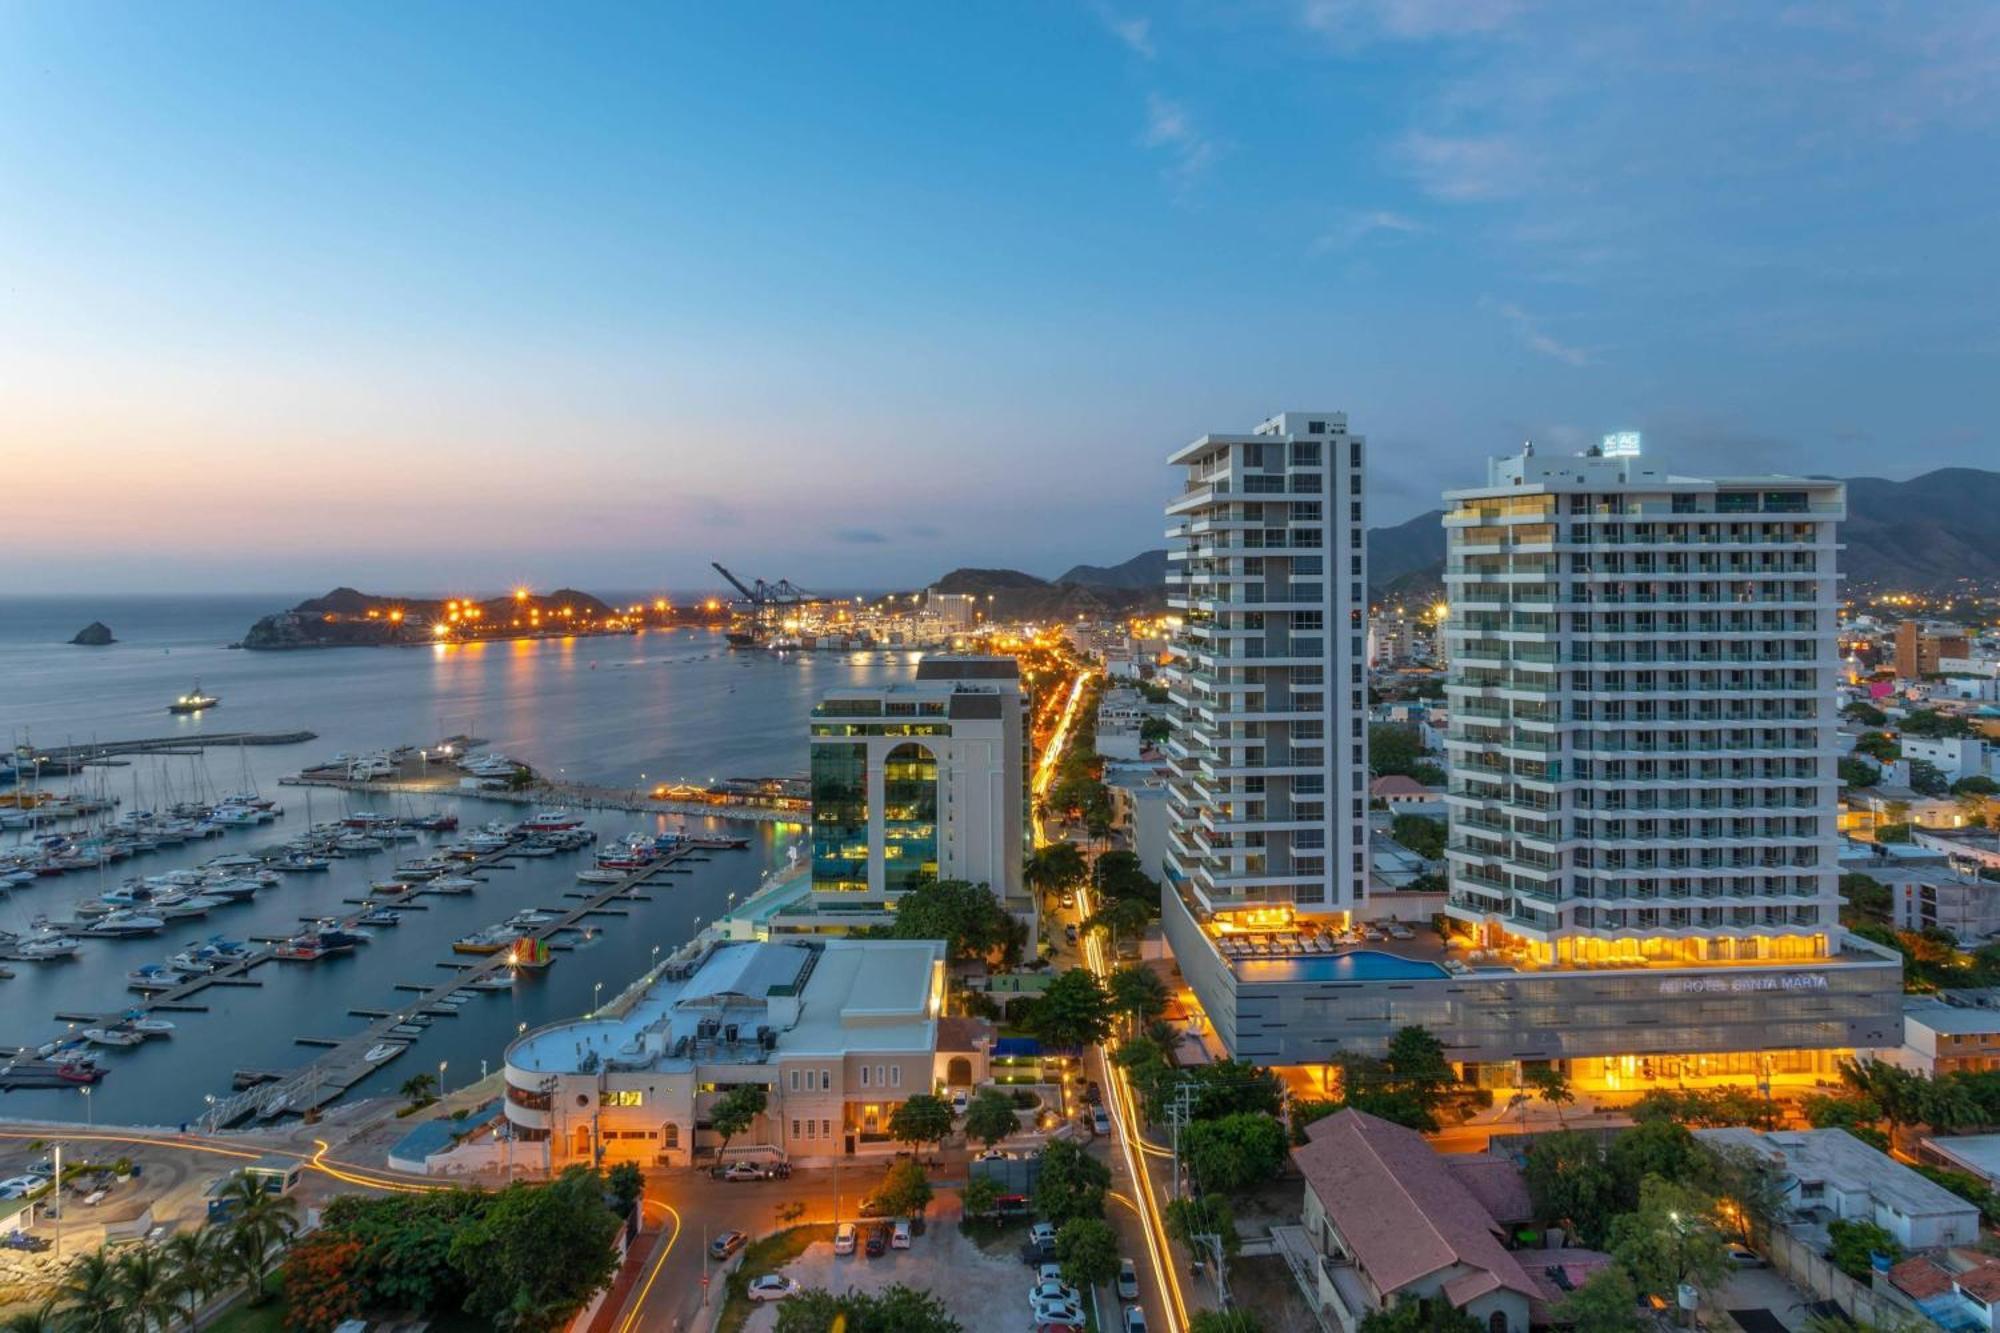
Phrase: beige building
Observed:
(838, 1032)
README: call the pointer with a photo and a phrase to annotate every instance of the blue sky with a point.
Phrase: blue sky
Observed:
(403, 295)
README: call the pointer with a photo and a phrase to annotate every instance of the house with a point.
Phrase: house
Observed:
(1389, 1221)
(1828, 1174)
(1402, 793)
(1942, 1037)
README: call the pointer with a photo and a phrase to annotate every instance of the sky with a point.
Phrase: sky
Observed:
(409, 295)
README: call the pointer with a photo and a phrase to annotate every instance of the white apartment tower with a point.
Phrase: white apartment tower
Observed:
(1269, 752)
(1642, 732)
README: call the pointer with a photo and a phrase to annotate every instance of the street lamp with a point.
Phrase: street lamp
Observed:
(596, 992)
(441, 1069)
(85, 1090)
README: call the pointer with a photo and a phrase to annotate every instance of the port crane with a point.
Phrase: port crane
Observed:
(763, 599)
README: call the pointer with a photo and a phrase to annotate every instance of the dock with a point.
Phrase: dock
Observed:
(343, 1062)
(69, 758)
(566, 795)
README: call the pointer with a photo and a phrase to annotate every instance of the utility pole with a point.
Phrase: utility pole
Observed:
(58, 1198)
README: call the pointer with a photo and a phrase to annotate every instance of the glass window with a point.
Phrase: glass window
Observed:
(840, 817)
(909, 817)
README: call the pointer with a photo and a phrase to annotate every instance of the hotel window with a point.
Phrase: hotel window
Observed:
(795, 1080)
(625, 1097)
(670, 1136)
(826, 1080)
(795, 1129)
(826, 1128)
(879, 1080)
(895, 1076)
(864, 1076)
(809, 1129)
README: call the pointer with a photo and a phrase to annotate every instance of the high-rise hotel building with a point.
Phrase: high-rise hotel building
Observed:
(1269, 750)
(1642, 853)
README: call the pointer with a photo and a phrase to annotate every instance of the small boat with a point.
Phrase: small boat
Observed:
(383, 1050)
(428, 868)
(301, 863)
(491, 940)
(153, 977)
(114, 1036)
(551, 821)
(452, 884)
(406, 1030)
(299, 949)
(150, 1027)
(80, 1070)
(388, 888)
(381, 916)
(358, 844)
(194, 701)
(601, 876)
(536, 849)
(492, 981)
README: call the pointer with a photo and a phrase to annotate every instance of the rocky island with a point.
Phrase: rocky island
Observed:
(96, 634)
(347, 618)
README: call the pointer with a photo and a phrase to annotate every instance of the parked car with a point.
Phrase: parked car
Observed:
(959, 1101)
(1135, 1319)
(899, 1235)
(878, 1242)
(1742, 1258)
(1011, 1205)
(1049, 1273)
(843, 1238)
(771, 1287)
(1042, 1233)
(1100, 1123)
(728, 1243)
(743, 1171)
(17, 1186)
(1066, 1314)
(1128, 1280)
(1060, 1292)
(1092, 1094)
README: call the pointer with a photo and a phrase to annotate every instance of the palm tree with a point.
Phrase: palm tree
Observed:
(145, 1288)
(91, 1297)
(191, 1255)
(263, 1222)
(419, 1088)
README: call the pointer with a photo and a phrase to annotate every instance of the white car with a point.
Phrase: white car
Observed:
(843, 1238)
(1041, 1234)
(743, 1171)
(1135, 1319)
(17, 1186)
(1064, 1316)
(959, 1101)
(1045, 1291)
(1128, 1280)
(771, 1287)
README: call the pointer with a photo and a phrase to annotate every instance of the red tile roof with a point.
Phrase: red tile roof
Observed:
(1919, 1279)
(1402, 1211)
(1396, 784)
(1983, 1282)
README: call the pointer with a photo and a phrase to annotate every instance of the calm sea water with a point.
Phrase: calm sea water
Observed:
(610, 710)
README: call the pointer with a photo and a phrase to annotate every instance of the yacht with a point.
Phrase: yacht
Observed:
(303, 862)
(46, 945)
(123, 925)
(551, 821)
(112, 1036)
(153, 977)
(428, 868)
(194, 701)
(453, 884)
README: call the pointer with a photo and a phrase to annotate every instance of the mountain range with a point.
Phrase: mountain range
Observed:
(1920, 535)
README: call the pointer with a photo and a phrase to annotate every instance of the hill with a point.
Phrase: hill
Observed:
(347, 617)
(1145, 571)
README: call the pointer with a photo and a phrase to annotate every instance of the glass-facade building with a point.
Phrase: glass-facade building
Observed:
(919, 781)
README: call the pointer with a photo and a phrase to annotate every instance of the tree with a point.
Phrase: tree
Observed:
(924, 1118)
(1569, 1182)
(41, 1319)
(627, 1184)
(981, 1196)
(406, 1245)
(1087, 1248)
(1605, 1303)
(320, 1290)
(1551, 1084)
(1120, 916)
(145, 1288)
(89, 1295)
(1237, 1320)
(1055, 865)
(1669, 1239)
(1976, 785)
(1189, 1221)
(1226, 1087)
(905, 1191)
(1660, 1148)
(1153, 1078)
(1074, 1011)
(1927, 779)
(1072, 1183)
(1857, 773)
(1867, 714)
(260, 1224)
(191, 1259)
(1234, 1153)
(1394, 747)
(991, 1117)
(1878, 747)
(418, 1088)
(1138, 993)
(1301, 1114)
(1416, 1058)
(1420, 1316)
(1120, 874)
(1854, 1243)
(966, 916)
(538, 1253)
(894, 1309)
(1420, 833)
(735, 1111)
(1930, 723)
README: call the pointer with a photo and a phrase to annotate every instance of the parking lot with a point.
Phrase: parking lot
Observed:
(983, 1287)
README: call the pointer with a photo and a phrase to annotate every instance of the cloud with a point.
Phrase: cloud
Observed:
(1355, 227)
(1532, 334)
(1407, 20)
(859, 536)
(1465, 167)
(1136, 33)
(923, 531)
(1170, 128)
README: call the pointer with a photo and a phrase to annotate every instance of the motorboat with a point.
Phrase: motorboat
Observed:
(123, 925)
(492, 981)
(383, 1050)
(529, 916)
(535, 848)
(299, 949)
(179, 906)
(231, 890)
(149, 1027)
(357, 844)
(491, 940)
(112, 1036)
(153, 977)
(550, 821)
(303, 863)
(46, 946)
(428, 868)
(194, 701)
(599, 875)
(380, 916)
(453, 884)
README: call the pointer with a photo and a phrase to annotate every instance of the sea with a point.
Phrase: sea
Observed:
(668, 705)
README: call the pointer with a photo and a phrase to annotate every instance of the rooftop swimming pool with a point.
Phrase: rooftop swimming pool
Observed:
(1361, 965)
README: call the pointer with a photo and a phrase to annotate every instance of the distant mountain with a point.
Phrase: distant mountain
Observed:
(1015, 595)
(346, 618)
(1415, 547)
(1923, 534)
(1143, 572)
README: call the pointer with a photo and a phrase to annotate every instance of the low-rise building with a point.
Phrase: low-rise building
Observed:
(1828, 1174)
(838, 1033)
(1956, 757)
(1944, 1036)
(1139, 812)
(1977, 849)
(1120, 714)
(1388, 1221)
(1941, 897)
